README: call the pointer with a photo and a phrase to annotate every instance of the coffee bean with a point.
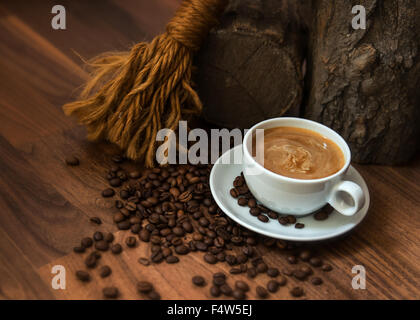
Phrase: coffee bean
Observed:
(327, 268)
(292, 259)
(144, 287)
(157, 257)
(321, 216)
(262, 268)
(235, 271)
(182, 249)
(105, 271)
(299, 225)
(178, 231)
(242, 202)
(79, 249)
(102, 245)
(98, 236)
(251, 273)
(204, 222)
(215, 291)
(109, 237)
(307, 270)
(86, 242)
(117, 158)
(305, 255)
(315, 262)
(116, 248)
(166, 252)
(134, 174)
(263, 218)
(91, 261)
(136, 228)
(273, 215)
(131, 242)
(144, 261)
(239, 181)
(110, 292)
(316, 281)
(172, 259)
(252, 203)
(219, 281)
(287, 272)
(107, 193)
(272, 286)
(234, 193)
(219, 275)
(144, 235)
(300, 275)
(297, 292)
(255, 212)
(242, 285)
(261, 292)
(115, 182)
(210, 258)
(96, 254)
(153, 295)
(96, 220)
(72, 161)
(82, 276)
(273, 272)
(283, 221)
(291, 219)
(198, 281)
(226, 290)
(238, 294)
(281, 281)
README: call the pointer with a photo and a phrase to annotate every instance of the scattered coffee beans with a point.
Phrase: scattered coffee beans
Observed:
(96, 220)
(72, 161)
(326, 268)
(215, 291)
(242, 285)
(110, 292)
(105, 271)
(131, 242)
(297, 292)
(82, 276)
(87, 242)
(144, 287)
(102, 245)
(272, 286)
(316, 281)
(172, 209)
(116, 248)
(261, 292)
(198, 281)
(238, 294)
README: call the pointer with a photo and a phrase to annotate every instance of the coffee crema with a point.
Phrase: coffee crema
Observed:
(301, 153)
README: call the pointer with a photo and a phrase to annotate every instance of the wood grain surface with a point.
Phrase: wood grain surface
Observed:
(45, 206)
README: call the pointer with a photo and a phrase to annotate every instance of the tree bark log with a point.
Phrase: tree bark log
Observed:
(251, 66)
(365, 84)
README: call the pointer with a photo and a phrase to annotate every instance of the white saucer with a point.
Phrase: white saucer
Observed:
(221, 179)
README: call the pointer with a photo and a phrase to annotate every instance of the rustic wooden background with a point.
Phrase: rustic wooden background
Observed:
(45, 206)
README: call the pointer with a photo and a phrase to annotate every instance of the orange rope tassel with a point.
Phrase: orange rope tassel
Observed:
(131, 96)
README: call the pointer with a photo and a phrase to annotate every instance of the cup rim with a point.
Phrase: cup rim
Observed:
(288, 179)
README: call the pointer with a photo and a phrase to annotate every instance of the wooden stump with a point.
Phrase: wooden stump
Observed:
(365, 83)
(251, 66)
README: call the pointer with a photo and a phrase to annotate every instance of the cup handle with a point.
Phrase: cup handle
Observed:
(338, 198)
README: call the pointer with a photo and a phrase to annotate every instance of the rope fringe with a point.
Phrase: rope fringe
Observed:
(132, 95)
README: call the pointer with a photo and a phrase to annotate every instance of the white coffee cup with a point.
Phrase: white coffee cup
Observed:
(298, 196)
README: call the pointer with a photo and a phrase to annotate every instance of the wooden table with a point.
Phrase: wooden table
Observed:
(45, 206)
